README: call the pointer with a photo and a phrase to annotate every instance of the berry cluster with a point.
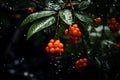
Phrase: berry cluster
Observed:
(55, 47)
(113, 25)
(81, 64)
(73, 33)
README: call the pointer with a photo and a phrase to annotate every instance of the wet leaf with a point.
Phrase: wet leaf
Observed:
(66, 16)
(39, 25)
(34, 16)
(83, 5)
(84, 18)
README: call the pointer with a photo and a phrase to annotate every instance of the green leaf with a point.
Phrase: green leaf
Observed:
(39, 25)
(83, 5)
(84, 18)
(66, 16)
(34, 16)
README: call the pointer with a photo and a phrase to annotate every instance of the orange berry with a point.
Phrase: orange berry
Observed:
(113, 20)
(75, 32)
(57, 41)
(66, 32)
(75, 38)
(80, 65)
(84, 64)
(47, 49)
(98, 19)
(31, 9)
(81, 60)
(77, 62)
(52, 50)
(78, 29)
(50, 45)
(56, 44)
(57, 49)
(79, 34)
(52, 40)
(75, 26)
(61, 45)
(71, 28)
(85, 60)
(61, 50)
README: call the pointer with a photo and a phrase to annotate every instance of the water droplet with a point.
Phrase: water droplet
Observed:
(58, 61)
(16, 62)
(73, 67)
(79, 53)
(24, 35)
(12, 71)
(59, 70)
(78, 56)
(98, 5)
(31, 75)
(101, 14)
(6, 3)
(10, 8)
(72, 54)
(55, 64)
(89, 0)
(56, 72)
(22, 60)
(45, 31)
(113, 4)
(25, 73)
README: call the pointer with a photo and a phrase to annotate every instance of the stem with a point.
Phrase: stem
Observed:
(71, 5)
(57, 24)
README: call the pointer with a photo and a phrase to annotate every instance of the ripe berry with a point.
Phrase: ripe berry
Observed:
(50, 45)
(52, 50)
(31, 10)
(52, 41)
(47, 49)
(57, 49)
(85, 60)
(84, 65)
(98, 20)
(113, 20)
(66, 31)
